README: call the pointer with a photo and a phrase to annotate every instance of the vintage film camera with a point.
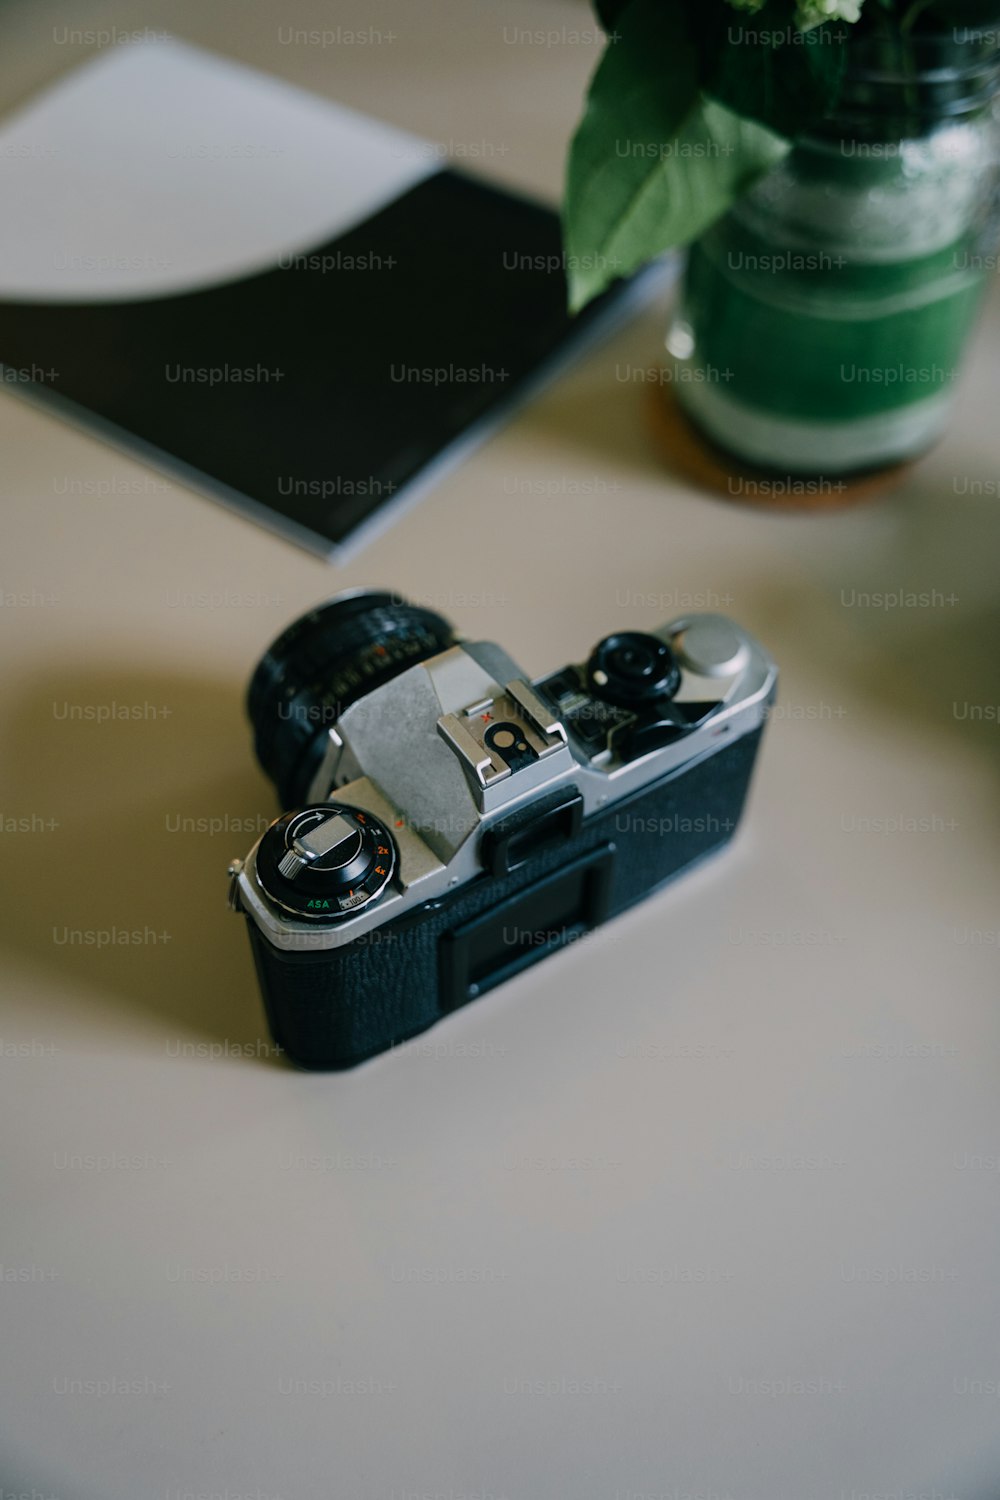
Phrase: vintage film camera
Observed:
(452, 822)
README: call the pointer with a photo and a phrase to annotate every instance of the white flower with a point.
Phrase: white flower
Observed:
(810, 13)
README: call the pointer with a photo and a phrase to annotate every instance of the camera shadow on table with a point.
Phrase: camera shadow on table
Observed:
(131, 793)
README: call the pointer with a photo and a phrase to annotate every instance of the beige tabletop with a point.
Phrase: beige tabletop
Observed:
(707, 1206)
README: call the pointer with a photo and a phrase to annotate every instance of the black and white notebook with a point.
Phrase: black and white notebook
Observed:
(299, 309)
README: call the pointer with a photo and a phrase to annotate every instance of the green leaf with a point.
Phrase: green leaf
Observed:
(653, 162)
(762, 66)
(608, 12)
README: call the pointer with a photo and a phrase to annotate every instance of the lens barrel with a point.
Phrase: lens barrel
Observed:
(320, 665)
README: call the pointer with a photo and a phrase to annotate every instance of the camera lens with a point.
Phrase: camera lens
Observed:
(632, 670)
(323, 663)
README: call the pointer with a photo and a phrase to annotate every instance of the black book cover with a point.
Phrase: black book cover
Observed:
(318, 388)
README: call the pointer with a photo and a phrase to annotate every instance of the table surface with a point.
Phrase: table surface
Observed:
(707, 1206)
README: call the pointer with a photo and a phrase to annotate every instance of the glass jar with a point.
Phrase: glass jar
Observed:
(822, 320)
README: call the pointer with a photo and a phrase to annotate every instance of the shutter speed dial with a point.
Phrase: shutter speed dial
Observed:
(326, 862)
(633, 671)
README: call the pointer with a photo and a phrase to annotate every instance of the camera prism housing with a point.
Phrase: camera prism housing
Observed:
(454, 822)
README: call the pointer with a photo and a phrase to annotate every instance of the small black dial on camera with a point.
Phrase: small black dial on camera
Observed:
(326, 862)
(633, 671)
